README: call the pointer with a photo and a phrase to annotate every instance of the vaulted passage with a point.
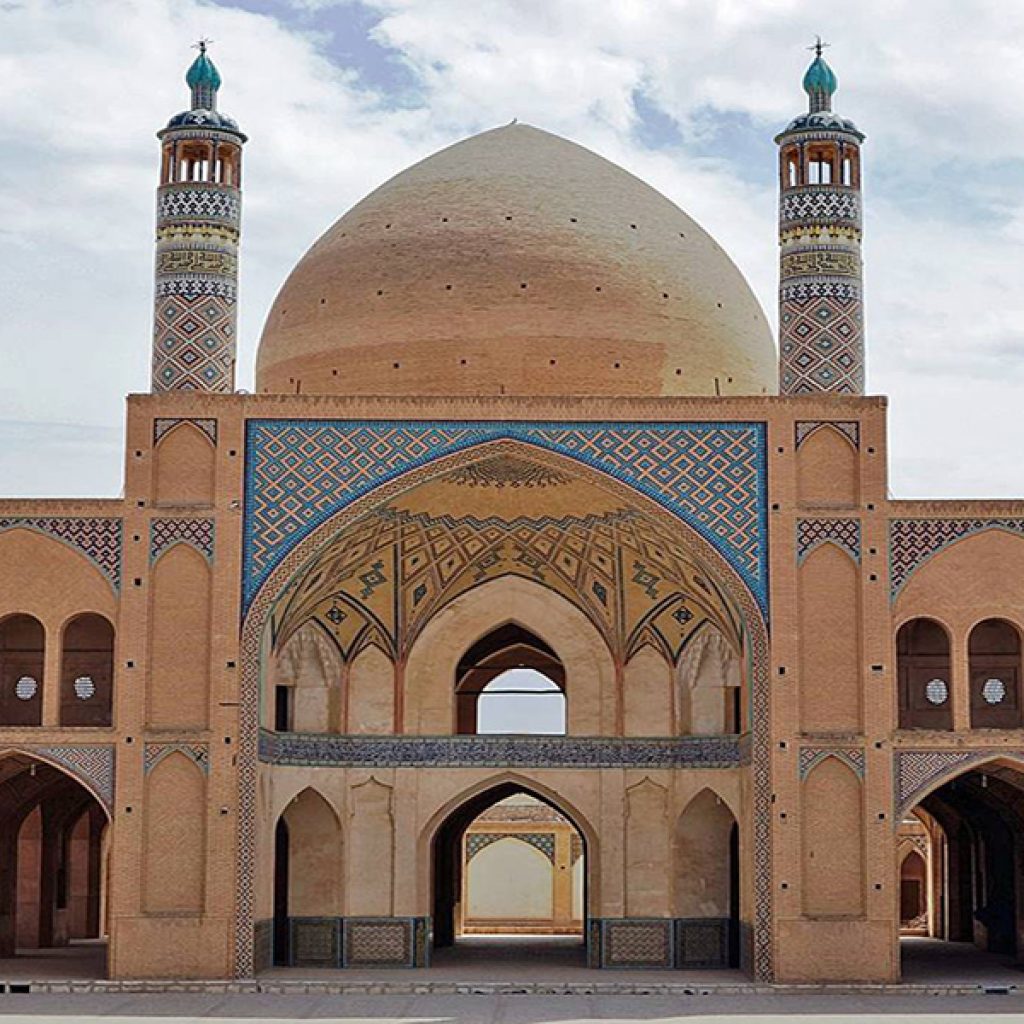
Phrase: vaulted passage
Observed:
(53, 852)
(960, 856)
(509, 865)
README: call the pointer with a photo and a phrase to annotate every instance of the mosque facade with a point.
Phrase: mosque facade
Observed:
(514, 412)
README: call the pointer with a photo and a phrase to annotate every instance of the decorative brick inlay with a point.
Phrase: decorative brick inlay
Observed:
(543, 841)
(164, 425)
(853, 758)
(165, 533)
(637, 943)
(99, 539)
(917, 770)
(199, 753)
(850, 429)
(812, 533)
(914, 541)
(379, 942)
(92, 764)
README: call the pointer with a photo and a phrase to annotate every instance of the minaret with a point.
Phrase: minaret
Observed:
(198, 217)
(821, 311)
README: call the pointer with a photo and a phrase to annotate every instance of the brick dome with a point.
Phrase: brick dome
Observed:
(516, 262)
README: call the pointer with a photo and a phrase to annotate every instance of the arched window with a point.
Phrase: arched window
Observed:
(87, 672)
(21, 670)
(994, 651)
(923, 668)
(510, 682)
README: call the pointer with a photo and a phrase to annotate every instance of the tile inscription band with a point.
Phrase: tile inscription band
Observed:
(498, 751)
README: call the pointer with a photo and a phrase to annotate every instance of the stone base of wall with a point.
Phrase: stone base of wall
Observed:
(354, 941)
(627, 943)
(648, 943)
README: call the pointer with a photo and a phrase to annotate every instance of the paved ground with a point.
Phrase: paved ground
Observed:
(425, 1009)
(926, 963)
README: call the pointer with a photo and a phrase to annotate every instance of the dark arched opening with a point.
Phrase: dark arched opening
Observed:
(510, 681)
(449, 859)
(994, 651)
(282, 940)
(22, 654)
(975, 843)
(52, 878)
(923, 668)
(87, 672)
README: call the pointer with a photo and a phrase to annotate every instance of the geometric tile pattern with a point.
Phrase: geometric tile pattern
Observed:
(913, 541)
(92, 763)
(812, 533)
(197, 753)
(163, 425)
(637, 943)
(819, 206)
(197, 533)
(543, 841)
(378, 942)
(320, 750)
(711, 475)
(194, 313)
(917, 770)
(822, 340)
(99, 539)
(848, 428)
(702, 942)
(853, 758)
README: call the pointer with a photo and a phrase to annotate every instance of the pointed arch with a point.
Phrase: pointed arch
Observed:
(184, 466)
(316, 855)
(174, 837)
(828, 469)
(703, 859)
(832, 822)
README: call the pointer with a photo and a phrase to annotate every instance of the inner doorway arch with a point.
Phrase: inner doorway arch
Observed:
(447, 853)
(53, 853)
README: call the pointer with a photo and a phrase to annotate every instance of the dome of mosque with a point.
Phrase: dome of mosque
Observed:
(516, 262)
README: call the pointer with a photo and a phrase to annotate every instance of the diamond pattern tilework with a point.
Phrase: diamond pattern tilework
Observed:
(543, 841)
(821, 338)
(378, 942)
(916, 770)
(163, 425)
(299, 473)
(849, 428)
(811, 756)
(196, 752)
(99, 539)
(194, 342)
(637, 943)
(812, 533)
(165, 533)
(817, 205)
(914, 541)
(92, 763)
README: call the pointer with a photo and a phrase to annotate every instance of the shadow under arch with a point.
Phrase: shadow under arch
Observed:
(440, 845)
(751, 618)
(53, 825)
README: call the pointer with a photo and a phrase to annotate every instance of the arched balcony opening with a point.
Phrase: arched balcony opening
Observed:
(923, 670)
(510, 682)
(994, 652)
(87, 672)
(22, 653)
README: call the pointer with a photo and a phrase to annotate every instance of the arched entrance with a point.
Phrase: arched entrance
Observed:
(53, 851)
(509, 862)
(961, 899)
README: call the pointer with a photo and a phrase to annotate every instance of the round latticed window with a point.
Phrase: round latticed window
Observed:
(936, 691)
(994, 691)
(26, 688)
(84, 687)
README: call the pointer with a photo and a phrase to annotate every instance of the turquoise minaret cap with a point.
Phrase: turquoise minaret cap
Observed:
(203, 79)
(820, 81)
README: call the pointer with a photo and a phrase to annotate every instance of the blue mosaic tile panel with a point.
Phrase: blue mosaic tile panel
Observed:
(301, 472)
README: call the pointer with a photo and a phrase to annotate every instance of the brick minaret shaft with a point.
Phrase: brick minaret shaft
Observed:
(821, 310)
(197, 228)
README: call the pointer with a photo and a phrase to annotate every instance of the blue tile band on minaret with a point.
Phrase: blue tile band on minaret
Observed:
(198, 219)
(821, 306)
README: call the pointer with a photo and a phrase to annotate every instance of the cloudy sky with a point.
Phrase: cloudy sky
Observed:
(337, 96)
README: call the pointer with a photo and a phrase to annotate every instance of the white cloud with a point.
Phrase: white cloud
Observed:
(84, 86)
